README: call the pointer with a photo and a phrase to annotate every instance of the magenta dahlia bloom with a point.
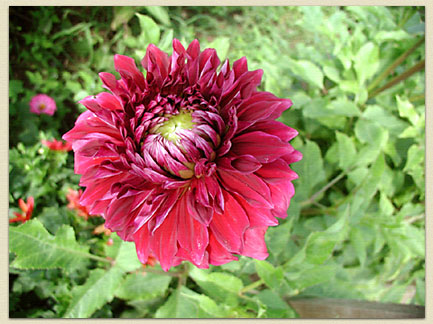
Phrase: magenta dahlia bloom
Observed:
(187, 162)
(42, 104)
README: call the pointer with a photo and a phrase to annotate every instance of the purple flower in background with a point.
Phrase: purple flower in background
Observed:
(42, 104)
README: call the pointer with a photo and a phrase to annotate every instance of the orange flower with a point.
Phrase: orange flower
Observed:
(27, 209)
(151, 261)
(101, 229)
(56, 145)
(73, 197)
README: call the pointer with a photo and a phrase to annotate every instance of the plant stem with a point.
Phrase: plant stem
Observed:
(171, 274)
(97, 258)
(251, 286)
(326, 187)
(183, 275)
(419, 66)
(396, 63)
(417, 97)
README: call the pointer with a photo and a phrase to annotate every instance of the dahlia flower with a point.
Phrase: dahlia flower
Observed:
(56, 145)
(188, 161)
(27, 211)
(42, 104)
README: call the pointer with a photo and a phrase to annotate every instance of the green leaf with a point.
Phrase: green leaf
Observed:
(37, 249)
(385, 205)
(143, 286)
(358, 241)
(367, 131)
(366, 62)
(395, 35)
(343, 107)
(159, 13)
(346, 151)
(149, 29)
(221, 45)
(415, 165)
(166, 40)
(407, 110)
(420, 292)
(315, 275)
(332, 73)
(276, 307)
(384, 118)
(307, 71)
(124, 254)
(271, 276)
(121, 16)
(98, 290)
(185, 303)
(222, 286)
(319, 245)
(310, 169)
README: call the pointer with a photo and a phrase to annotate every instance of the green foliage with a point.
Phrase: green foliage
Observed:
(98, 290)
(355, 227)
(37, 249)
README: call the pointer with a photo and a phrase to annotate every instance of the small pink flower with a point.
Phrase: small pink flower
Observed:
(56, 145)
(42, 104)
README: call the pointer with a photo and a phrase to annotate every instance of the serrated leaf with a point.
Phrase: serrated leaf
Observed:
(332, 73)
(159, 13)
(359, 244)
(149, 29)
(276, 307)
(407, 110)
(311, 168)
(319, 245)
(185, 303)
(384, 118)
(395, 35)
(124, 254)
(366, 62)
(307, 71)
(121, 16)
(271, 276)
(346, 151)
(143, 286)
(343, 107)
(222, 286)
(97, 291)
(315, 275)
(37, 249)
(221, 45)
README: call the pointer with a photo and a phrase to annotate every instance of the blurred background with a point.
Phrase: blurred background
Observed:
(355, 228)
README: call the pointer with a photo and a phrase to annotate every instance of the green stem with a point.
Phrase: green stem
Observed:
(183, 275)
(251, 286)
(171, 274)
(405, 19)
(417, 97)
(97, 258)
(323, 189)
(418, 67)
(396, 63)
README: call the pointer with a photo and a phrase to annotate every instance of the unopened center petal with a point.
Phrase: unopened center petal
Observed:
(176, 124)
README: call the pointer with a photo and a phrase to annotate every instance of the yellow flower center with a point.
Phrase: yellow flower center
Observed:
(176, 123)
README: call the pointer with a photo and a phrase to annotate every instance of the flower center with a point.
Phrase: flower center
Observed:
(176, 124)
(41, 106)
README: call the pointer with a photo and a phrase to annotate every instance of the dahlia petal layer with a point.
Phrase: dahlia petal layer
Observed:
(188, 160)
